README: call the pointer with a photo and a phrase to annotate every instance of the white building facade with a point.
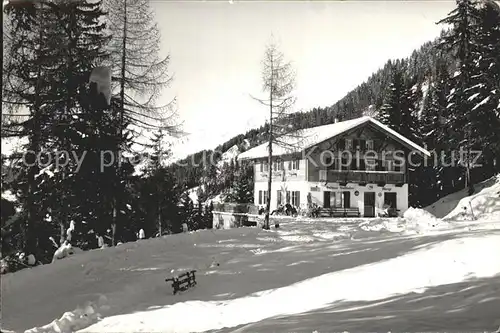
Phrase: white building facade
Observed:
(357, 164)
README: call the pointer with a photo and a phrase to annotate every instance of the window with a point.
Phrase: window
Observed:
(359, 144)
(278, 197)
(341, 144)
(266, 166)
(370, 164)
(295, 164)
(328, 162)
(362, 164)
(390, 200)
(388, 165)
(262, 197)
(348, 144)
(380, 166)
(344, 165)
(369, 144)
(296, 198)
(278, 166)
(287, 196)
(354, 163)
(261, 167)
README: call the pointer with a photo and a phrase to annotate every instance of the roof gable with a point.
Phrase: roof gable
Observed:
(309, 137)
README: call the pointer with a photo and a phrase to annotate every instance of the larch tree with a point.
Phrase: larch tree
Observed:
(278, 82)
(140, 75)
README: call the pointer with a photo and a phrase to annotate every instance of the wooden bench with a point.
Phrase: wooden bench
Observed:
(345, 212)
(339, 212)
(183, 282)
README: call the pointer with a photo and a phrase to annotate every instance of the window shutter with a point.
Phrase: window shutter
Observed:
(260, 197)
(298, 198)
(261, 167)
(289, 165)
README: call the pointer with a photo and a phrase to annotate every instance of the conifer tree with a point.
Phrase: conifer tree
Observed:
(242, 187)
(398, 112)
(462, 41)
(485, 100)
(52, 47)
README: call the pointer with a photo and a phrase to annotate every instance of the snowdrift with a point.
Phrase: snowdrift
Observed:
(75, 320)
(484, 205)
(421, 221)
(444, 206)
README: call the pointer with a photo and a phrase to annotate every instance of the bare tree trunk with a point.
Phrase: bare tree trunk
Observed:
(120, 126)
(159, 214)
(30, 237)
(270, 159)
(269, 182)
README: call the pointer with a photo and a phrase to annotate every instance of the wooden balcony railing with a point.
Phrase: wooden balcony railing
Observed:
(335, 176)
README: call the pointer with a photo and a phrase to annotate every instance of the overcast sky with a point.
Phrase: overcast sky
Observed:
(216, 50)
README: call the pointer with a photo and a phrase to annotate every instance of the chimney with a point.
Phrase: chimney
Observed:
(336, 120)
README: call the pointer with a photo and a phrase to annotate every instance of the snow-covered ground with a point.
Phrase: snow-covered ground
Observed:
(452, 261)
(416, 273)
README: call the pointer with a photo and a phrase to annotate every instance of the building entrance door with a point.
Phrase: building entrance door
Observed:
(369, 204)
(326, 199)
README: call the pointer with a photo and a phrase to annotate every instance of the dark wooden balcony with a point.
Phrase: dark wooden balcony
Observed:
(360, 177)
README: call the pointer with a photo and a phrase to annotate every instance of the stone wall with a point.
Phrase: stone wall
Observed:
(228, 220)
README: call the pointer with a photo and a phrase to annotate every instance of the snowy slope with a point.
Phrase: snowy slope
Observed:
(414, 272)
(319, 261)
(228, 155)
(446, 205)
(484, 205)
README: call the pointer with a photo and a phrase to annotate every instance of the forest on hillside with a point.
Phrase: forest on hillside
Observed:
(417, 97)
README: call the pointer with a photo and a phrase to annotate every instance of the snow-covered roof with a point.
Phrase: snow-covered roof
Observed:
(312, 136)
